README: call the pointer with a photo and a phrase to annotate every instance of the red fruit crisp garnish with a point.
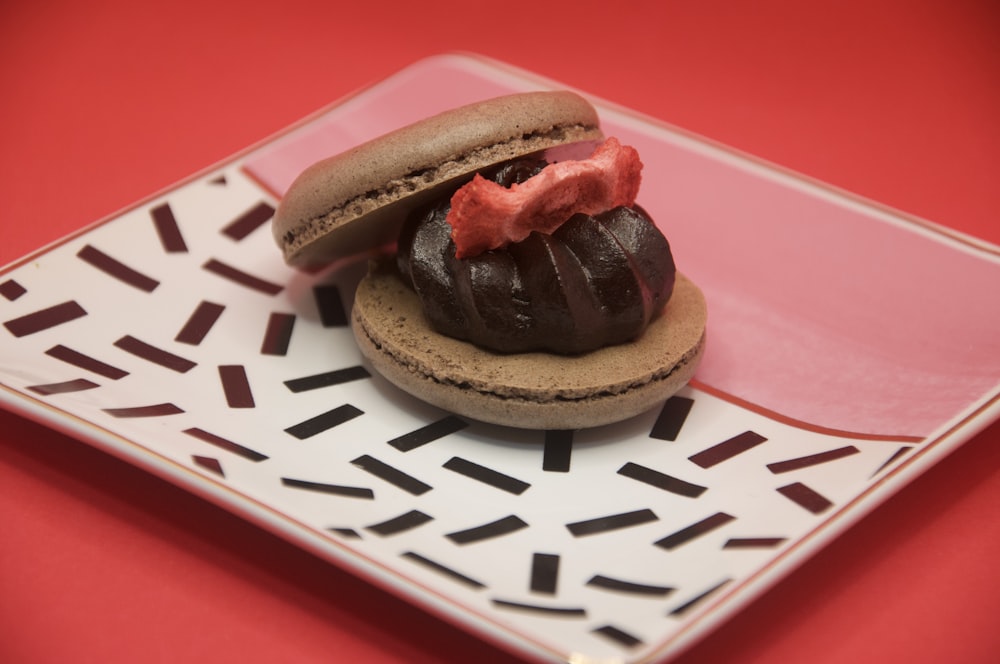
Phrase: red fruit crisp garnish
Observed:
(485, 215)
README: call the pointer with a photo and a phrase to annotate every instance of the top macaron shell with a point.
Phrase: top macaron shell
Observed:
(377, 183)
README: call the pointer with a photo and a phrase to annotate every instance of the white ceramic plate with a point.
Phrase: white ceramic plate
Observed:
(173, 336)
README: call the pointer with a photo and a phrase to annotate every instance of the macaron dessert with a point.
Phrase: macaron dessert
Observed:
(517, 282)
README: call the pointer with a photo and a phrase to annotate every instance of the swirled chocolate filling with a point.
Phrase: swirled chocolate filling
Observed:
(595, 281)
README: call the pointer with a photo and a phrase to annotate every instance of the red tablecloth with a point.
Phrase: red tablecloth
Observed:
(103, 104)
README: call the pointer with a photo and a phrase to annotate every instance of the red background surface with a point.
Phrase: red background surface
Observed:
(103, 104)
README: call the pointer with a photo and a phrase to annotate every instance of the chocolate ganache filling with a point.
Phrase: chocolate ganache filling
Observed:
(596, 281)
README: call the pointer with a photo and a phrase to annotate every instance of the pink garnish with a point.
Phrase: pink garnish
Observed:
(485, 215)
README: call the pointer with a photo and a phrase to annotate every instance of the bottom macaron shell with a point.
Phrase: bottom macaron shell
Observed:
(527, 390)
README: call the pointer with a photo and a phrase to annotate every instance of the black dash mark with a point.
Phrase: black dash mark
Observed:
(681, 609)
(168, 230)
(753, 542)
(77, 385)
(199, 323)
(486, 475)
(896, 456)
(392, 475)
(218, 181)
(44, 319)
(209, 463)
(225, 444)
(333, 489)
(150, 353)
(240, 277)
(661, 480)
(429, 433)
(11, 290)
(323, 421)
(327, 379)
(611, 522)
(569, 612)
(727, 449)
(805, 497)
(630, 587)
(441, 569)
(236, 386)
(249, 221)
(812, 459)
(619, 636)
(154, 410)
(504, 526)
(671, 418)
(114, 268)
(545, 573)
(558, 451)
(85, 362)
(685, 535)
(330, 305)
(278, 334)
(401, 523)
(348, 533)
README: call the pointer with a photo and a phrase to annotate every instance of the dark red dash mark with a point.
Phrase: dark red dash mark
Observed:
(575, 612)
(896, 456)
(327, 379)
(236, 386)
(685, 535)
(429, 433)
(617, 585)
(619, 636)
(155, 410)
(612, 522)
(330, 305)
(77, 385)
(753, 542)
(334, 489)
(12, 290)
(727, 449)
(114, 268)
(349, 533)
(558, 451)
(225, 444)
(486, 475)
(168, 230)
(545, 573)
(219, 181)
(391, 475)
(671, 419)
(85, 362)
(504, 526)
(805, 497)
(249, 221)
(323, 421)
(44, 319)
(441, 569)
(278, 334)
(812, 459)
(401, 523)
(661, 480)
(199, 323)
(697, 599)
(209, 463)
(242, 278)
(130, 344)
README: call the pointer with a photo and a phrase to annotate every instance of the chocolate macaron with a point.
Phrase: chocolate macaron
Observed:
(359, 200)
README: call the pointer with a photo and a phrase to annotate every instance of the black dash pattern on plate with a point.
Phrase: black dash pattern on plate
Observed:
(85, 362)
(618, 635)
(115, 268)
(558, 451)
(66, 386)
(671, 418)
(277, 334)
(805, 497)
(323, 422)
(236, 386)
(327, 379)
(398, 524)
(695, 530)
(443, 569)
(544, 573)
(153, 354)
(812, 459)
(630, 587)
(11, 290)
(661, 480)
(727, 449)
(330, 305)
(611, 522)
(683, 608)
(249, 221)
(238, 276)
(210, 464)
(428, 433)
(167, 229)
(225, 444)
(562, 611)
(199, 323)
(486, 475)
(392, 475)
(332, 489)
(151, 410)
(44, 319)
(498, 528)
